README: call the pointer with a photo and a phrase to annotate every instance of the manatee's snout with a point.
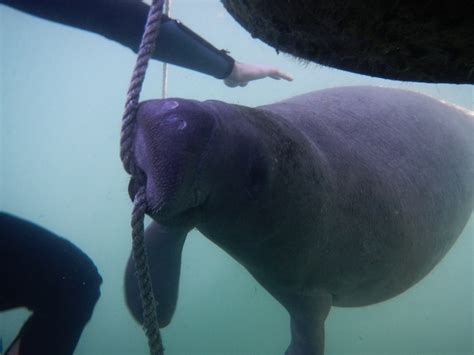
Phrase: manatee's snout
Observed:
(171, 141)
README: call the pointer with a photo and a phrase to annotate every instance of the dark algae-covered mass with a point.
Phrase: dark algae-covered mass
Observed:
(340, 197)
(430, 41)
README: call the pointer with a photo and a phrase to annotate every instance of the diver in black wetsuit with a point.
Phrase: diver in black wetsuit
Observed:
(123, 21)
(42, 271)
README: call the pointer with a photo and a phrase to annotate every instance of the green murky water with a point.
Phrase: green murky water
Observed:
(62, 93)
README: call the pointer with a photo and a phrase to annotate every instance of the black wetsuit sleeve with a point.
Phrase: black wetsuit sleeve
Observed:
(123, 21)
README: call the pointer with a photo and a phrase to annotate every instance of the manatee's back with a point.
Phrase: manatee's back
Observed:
(386, 129)
(402, 168)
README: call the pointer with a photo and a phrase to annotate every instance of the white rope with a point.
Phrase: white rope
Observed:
(164, 88)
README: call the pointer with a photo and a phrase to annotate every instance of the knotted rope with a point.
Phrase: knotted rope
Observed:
(147, 46)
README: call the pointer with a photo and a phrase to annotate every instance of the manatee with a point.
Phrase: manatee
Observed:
(341, 197)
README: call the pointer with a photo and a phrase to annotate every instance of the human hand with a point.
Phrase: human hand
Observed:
(242, 73)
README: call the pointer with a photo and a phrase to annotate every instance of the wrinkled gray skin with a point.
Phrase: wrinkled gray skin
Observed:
(344, 197)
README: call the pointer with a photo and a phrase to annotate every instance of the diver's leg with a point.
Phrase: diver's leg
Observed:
(308, 314)
(164, 246)
(51, 277)
(55, 330)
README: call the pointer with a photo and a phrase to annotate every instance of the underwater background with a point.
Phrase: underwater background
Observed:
(61, 103)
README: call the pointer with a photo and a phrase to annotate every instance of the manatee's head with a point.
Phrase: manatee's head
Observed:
(171, 141)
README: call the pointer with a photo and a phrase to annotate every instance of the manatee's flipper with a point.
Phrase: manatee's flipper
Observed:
(164, 246)
(308, 315)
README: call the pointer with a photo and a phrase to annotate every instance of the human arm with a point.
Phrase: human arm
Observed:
(123, 22)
